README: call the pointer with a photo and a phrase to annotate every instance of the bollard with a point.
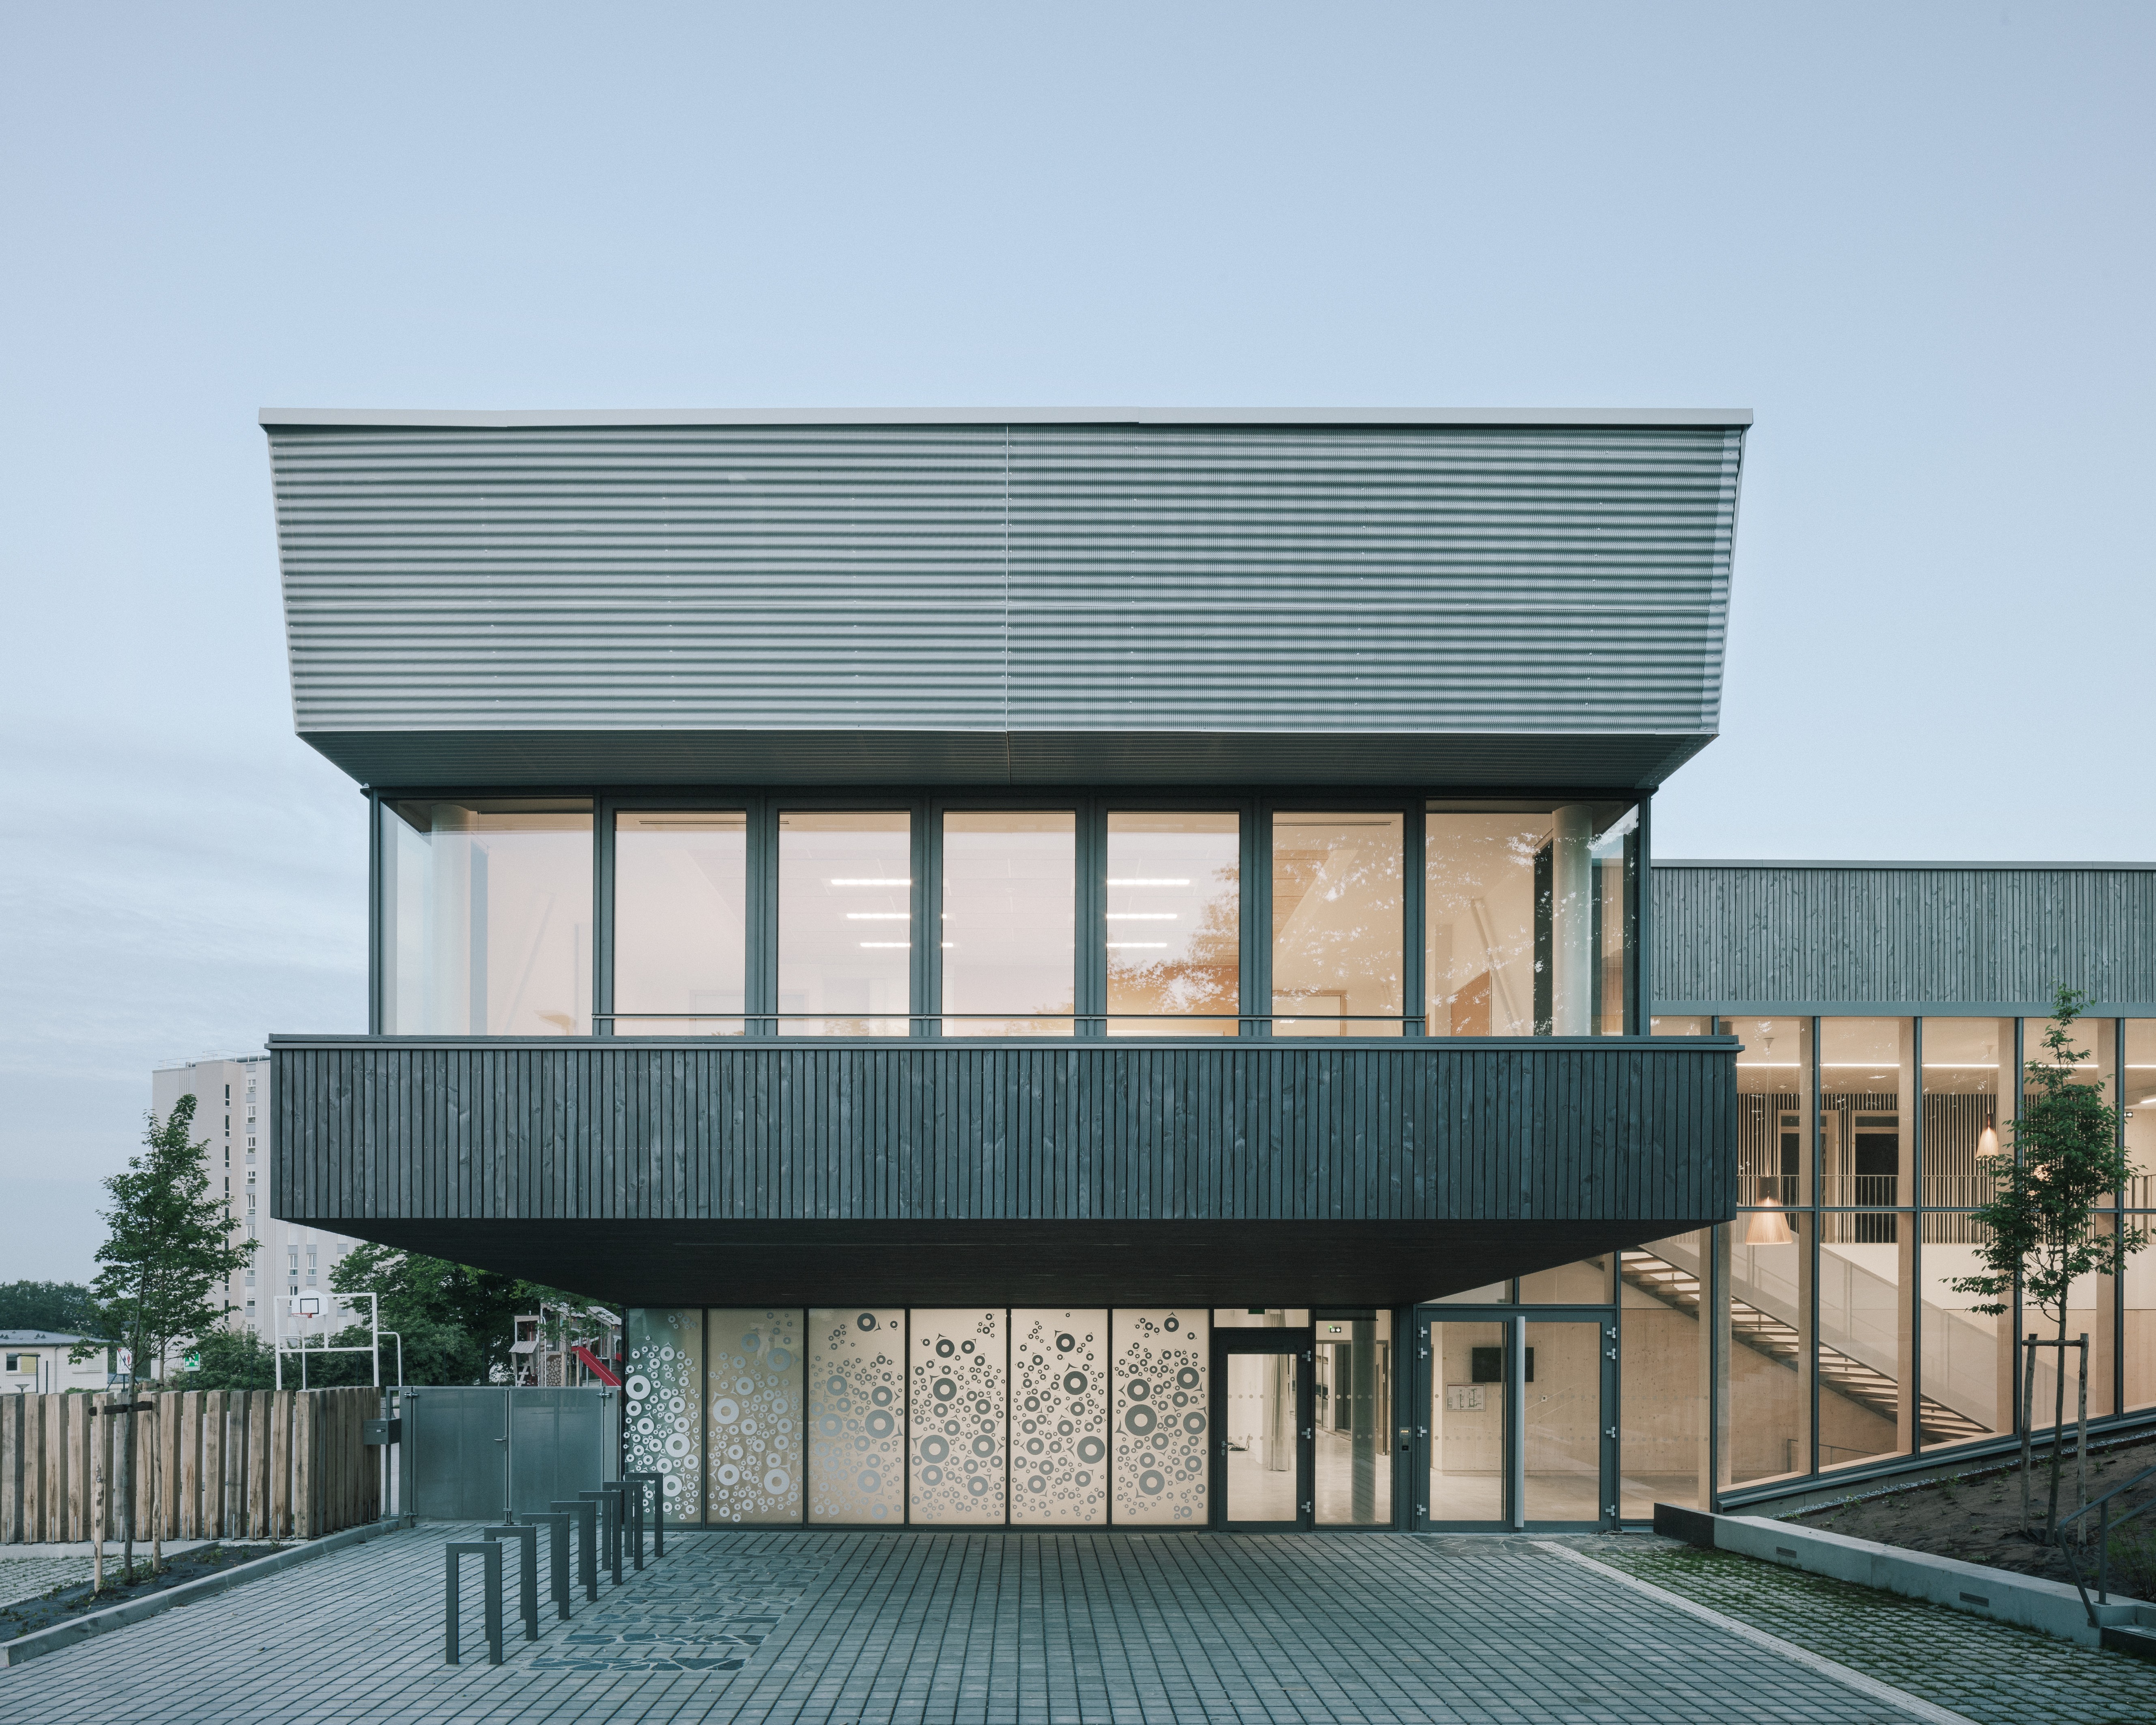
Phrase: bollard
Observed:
(588, 1554)
(609, 1499)
(490, 1555)
(557, 1558)
(527, 1572)
(658, 1510)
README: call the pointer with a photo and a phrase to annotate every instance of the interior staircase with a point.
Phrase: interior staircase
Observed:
(1678, 1289)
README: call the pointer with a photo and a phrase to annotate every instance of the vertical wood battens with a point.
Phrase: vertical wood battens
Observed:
(973, 1130)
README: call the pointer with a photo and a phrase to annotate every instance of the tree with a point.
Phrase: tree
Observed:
(228, 1358)
(64, 1307)
(167, 1245)
(2047, 1225)
(456, 1322)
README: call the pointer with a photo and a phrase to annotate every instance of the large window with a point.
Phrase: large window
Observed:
(1527, 922)
(680, 921)
(755, 918)
(1174, 939)
(1010, 923)
(1338, 921)
(486, 911)
(845, 923)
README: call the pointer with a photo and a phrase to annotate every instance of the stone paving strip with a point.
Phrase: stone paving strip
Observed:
(862, 1628)
(27, 1577)
(1991, 1672)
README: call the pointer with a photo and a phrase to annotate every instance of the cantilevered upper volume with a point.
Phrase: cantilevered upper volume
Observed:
(1099, 596)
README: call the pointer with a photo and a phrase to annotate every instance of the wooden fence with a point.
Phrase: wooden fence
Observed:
(258, 1464)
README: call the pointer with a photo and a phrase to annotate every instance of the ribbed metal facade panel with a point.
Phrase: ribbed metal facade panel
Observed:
(373, 1130)
(1901, 938)
(1002, 582)
(1370, 580)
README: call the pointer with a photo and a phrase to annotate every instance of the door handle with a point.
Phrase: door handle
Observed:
(1307, 1434)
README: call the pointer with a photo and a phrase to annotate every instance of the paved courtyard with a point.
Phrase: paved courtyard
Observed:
(1106, 1628)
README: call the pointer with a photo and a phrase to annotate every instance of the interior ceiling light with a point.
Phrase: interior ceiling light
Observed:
(870, 880)
(1144, 880)
(877, 915)
(1156, 946)
(887, 946)
(1142, 915)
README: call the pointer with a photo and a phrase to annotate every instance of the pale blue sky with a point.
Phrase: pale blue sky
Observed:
(1916, 239)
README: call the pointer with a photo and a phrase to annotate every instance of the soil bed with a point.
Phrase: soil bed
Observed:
(1977, 1517)
(63, 1604)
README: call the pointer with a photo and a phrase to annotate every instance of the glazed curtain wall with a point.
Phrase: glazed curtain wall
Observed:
(964, 1417)
(768, 916)
(1821, 1329)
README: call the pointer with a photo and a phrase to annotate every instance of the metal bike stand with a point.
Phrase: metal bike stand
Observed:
(658, 1509)
(490, 1554)
(557, 1558)
(609, 1499)
(587, 1515)
(527, 1572)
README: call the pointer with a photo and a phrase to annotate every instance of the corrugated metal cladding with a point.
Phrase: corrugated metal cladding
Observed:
(1754, 936)
(1006, 582)
(382, 1130)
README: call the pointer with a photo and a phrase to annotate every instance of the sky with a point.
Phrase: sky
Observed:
(1915, 239)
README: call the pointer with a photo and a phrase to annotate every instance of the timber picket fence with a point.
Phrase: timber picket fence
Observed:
(238, 1464)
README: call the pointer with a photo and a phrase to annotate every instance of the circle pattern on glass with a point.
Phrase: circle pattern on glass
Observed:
(1160, 1418)
(957, 1408)
(753, 1380)
(1056, 1360)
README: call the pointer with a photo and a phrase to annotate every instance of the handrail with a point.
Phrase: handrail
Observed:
(2104, 1527)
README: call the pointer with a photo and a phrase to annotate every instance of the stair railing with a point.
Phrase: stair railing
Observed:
(2105, 1526)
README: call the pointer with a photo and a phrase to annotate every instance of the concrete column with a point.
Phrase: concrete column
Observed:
(1572, 919)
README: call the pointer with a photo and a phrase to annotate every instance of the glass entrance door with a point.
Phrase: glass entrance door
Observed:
(1262, 1411)
(1520, 1433)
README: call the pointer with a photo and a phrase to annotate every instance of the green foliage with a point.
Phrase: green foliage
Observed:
(64, 1306)
(231, 1359)
(167, 1246)
(2062, 1163)
(456, 1321)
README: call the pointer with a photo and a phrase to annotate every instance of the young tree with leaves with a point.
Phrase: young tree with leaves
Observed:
(2049, 1222)
(168, 1245)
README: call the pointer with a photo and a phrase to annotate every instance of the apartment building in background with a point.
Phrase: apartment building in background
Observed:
(232, 1106)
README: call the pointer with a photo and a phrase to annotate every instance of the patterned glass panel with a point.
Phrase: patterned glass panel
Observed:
(659, 1405)
(958, 1402)
(1059, 1444)
(753, 1379)
(1160, 1364)
(856, 1415)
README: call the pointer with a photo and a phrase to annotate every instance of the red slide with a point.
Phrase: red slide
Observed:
(604, 1373)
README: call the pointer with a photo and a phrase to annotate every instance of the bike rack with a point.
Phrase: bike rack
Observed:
(587, 1516)
(610, 1499)
(489, 1552)
(658, 1509)
(557, 1558)
(527, 1571)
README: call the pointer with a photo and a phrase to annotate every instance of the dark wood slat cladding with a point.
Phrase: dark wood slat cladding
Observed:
(398, 1128)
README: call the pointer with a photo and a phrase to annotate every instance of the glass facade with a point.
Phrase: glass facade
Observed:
(1174, 924)
(845, 923)
(558, 916)
(1338, 924)
(680, 921)
(1528, 928)
(486, 918)
(1009, 922)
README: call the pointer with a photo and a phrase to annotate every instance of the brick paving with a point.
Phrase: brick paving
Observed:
(1035, 1629)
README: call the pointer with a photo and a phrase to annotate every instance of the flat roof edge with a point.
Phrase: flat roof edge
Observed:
(1552, 419)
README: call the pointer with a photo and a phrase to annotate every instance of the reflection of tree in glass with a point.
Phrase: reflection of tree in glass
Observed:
(1336, 916)
(1203, 980)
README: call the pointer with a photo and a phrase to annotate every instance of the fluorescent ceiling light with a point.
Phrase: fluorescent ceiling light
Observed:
(1154, 946)
(898, 946)
(878, 915)
(1142, 915)
(1145, 880)
(871, 880)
